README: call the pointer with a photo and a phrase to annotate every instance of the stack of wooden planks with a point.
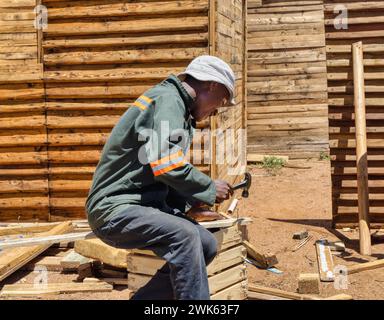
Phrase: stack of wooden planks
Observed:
(287, 82)
(227, 273)
(365, 23)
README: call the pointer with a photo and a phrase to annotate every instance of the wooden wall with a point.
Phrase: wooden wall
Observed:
(23, 152)
(365, 23)
(230, 46)
(98, 57)
(287, 83)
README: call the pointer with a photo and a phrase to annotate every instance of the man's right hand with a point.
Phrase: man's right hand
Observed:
(223, 191)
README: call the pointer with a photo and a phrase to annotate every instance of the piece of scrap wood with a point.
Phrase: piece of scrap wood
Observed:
(54, 288)
(225, 223)
(280, 293)
(309, 283)
(49, 263)
(265, 261)
(73, 260)
(341, 296)
(325, 261)
(14, 258)
(366, 266)
(46, 239)
(112, 281)
(263, 296)
(98, 250)
(292, 295)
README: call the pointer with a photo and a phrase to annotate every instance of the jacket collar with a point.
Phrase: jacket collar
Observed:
(187, 98)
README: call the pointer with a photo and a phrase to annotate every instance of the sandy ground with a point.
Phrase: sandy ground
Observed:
(280, 205)
(296, 200)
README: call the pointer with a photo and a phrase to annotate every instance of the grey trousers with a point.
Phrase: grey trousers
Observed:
(186, 246)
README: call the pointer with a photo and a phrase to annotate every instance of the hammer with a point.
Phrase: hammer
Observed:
(245, 184)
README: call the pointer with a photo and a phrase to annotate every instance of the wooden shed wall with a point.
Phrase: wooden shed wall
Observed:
(98, 57)
(365, 23)
(287, 82)
(23, 152)
(230, 46)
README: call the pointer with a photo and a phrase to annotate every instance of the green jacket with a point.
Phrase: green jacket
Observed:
(143, 157)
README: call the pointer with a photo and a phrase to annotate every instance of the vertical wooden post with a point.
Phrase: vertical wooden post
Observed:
(361, 148)
(212, 52)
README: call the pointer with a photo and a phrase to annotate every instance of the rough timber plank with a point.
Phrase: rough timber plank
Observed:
(14, 258)
(53, 288)
(98, 250)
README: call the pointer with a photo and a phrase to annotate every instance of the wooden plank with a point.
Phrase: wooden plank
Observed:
(46, 240)
(263, 293)
(18, 290)
(48, 263)
(33, 228)
(361, 148)
(325, 262)
(98, 250)
(280, 293)
(112, 281)
(265, 261)
(13, 259)
(72, 261)
(366, 266)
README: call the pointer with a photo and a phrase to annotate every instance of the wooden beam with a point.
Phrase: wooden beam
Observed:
(23, 229)
(46, 240)
(280, 293)
(13, 259)
(265, 261)
(325, 261)
(53, 288)
(366, 266)
(361, 148)
(274, 294)
(98, 250)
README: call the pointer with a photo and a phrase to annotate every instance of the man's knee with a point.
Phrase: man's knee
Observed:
(188, 234)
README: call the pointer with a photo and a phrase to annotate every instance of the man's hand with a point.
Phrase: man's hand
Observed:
(223, 191)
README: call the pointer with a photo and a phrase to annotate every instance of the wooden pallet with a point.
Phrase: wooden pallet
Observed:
(227, 273)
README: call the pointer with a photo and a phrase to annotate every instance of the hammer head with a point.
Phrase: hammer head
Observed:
(248, 182)
(245, 185)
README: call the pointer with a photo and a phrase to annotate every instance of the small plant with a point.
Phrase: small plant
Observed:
(273, 164)
(324, 156)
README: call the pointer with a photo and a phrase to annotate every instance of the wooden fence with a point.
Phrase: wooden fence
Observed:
(98, 57)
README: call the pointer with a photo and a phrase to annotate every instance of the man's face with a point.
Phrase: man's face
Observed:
(213, 96)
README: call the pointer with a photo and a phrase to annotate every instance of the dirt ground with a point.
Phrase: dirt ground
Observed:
(300, 199)
(280, 205)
